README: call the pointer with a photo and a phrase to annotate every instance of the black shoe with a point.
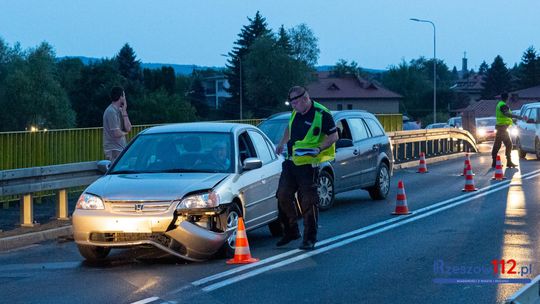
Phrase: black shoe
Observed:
(307, 245)
(510, 164)
(287, 239)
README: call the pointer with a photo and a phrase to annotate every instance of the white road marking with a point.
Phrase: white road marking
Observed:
(411, 218)
(147, 300)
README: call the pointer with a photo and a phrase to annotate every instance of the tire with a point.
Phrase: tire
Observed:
(380, 190)
(233, 212)
(326, 191)
(94, 253)
(521, 153)
(537, 148)
(276, 229)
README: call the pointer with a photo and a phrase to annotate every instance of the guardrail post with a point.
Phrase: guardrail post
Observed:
(62, 205)
(27, 211)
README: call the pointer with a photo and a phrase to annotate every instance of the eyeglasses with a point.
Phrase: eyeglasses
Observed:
(292, 99)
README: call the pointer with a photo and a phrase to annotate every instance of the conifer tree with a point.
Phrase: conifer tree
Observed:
(497, 79)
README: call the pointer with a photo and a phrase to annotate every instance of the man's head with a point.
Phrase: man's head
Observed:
(504, 96)
(117, 95)
(299, 99)
(219, 151)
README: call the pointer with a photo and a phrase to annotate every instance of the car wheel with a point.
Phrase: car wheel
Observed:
(233, 213)
(521, 153)
(382, 183)
(326, 190)
(94, 253)
(275, 227)
(537, 148)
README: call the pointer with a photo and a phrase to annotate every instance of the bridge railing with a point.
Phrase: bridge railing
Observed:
(407, 145)
(52, 147)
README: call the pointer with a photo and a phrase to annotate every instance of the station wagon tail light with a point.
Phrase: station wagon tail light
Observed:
(90, 202)
(198, 201)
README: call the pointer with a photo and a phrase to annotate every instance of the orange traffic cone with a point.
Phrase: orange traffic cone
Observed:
(499, 175)
(422, 168)
(469, 181)
(401, 201)
(241, 251)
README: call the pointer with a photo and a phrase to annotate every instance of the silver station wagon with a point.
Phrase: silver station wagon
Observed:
(181, 188)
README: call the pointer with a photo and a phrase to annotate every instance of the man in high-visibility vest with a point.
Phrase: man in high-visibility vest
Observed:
(504, 120)
(310, 139)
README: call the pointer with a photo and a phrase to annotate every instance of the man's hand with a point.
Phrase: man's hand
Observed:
(123, 106)
(279, 149)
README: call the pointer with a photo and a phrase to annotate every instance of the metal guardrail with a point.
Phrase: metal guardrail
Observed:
(528, 294)
(27, 181)
(407, 145)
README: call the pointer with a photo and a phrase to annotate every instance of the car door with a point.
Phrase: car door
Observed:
(346, 168)
(375, 147)
(529, 130)
(362, 146)
(258, 186)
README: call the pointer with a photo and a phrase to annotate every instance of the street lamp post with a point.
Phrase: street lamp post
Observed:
(434, 67)
(240, 82)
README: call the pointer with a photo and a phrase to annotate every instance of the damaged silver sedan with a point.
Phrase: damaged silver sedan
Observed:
(181, 188)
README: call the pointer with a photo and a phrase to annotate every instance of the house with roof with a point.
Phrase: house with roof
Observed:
(517, 99)
(352, 92)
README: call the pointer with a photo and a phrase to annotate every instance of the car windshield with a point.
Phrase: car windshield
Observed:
(178, 153)
(274, 129)
(485, 122)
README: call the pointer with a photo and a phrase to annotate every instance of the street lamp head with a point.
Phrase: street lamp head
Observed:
(414, 19)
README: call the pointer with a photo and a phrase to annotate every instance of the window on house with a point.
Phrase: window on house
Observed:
(339, 107)
(349, 107)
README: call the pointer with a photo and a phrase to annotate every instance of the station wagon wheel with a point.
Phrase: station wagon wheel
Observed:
(326, 190)
(537, 148)
(521, 153)
(233, 213)
(380, 190)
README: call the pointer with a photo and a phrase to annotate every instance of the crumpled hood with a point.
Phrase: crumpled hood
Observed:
(153, 186)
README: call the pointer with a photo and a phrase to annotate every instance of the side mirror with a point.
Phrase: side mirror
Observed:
(344, 143)
(252, 163)
(103, 165)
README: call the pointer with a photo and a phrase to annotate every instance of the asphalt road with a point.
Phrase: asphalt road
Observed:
(364, 254)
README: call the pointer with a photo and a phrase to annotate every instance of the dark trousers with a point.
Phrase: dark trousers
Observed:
(301, 179)
(502, 136)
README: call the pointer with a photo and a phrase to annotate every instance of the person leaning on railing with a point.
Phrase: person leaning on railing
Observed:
(116, 124)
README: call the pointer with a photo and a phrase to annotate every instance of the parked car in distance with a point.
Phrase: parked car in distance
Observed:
(363, 155)
(181, 188)
(528, 137)
(439, 125)
(409, 124)
(455, 122)
(485, 128)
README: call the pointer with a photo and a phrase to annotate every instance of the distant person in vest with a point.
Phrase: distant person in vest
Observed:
(504, 120)
(116, 124)
(310, 139)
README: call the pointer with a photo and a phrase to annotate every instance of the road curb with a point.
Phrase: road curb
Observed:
(430, 160)
(26, 239)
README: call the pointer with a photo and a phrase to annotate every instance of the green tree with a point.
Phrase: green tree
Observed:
(33, 96)
(343, 68)
(160, 107)
(304, 44)
(270, 72)
(497, 79)
(197, 98)
(284, 41)
(529, 69)
(128, 64)
(482, 70)
(256, 28)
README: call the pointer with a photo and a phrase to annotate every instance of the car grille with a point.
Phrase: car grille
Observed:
(119, 237)
(134, 207)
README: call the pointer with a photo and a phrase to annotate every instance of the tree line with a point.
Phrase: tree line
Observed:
(39, 89)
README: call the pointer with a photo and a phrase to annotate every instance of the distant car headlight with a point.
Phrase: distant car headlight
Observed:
(90, 202)
(481, 132)
(514, 131)
(204, 200)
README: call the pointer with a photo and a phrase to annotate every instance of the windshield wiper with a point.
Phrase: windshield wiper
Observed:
(178, 171)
